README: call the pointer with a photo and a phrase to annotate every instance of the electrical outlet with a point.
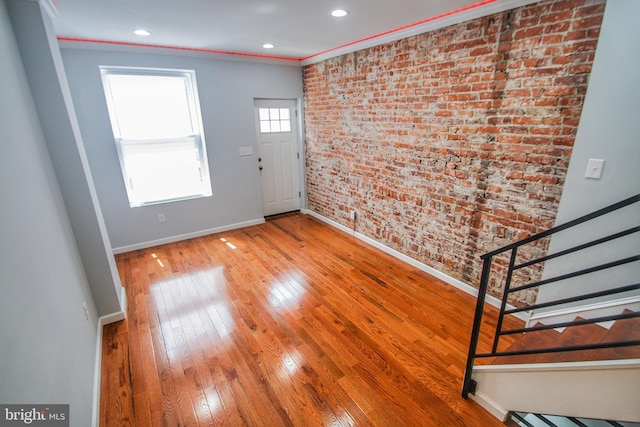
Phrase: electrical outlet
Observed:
(594, 168)
(352, 215)
(161, 218)
(86, 310)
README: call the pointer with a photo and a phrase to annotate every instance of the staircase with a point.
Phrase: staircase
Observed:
(583, 369)
(538, 420)
(624, 329)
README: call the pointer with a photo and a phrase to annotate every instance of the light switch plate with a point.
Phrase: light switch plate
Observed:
(246, 151)
(594, 168)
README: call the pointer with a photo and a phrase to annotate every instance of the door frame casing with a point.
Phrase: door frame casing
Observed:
(299, 135)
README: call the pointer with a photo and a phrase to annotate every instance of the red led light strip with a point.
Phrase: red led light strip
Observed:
(404, 27)
(285, 58)
(189, 49)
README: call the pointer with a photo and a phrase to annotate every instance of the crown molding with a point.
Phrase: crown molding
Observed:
(480, 10)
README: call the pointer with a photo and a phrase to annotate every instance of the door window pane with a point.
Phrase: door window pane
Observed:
(274, 120)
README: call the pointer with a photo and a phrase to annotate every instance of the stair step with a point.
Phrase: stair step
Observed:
(577, 335)
(622, 330)
(531, 340)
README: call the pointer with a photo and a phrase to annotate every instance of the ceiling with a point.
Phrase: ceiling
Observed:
(301, 30)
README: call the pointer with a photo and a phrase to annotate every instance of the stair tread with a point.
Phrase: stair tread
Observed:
(577, 335)
(530, 340)
(622, 330)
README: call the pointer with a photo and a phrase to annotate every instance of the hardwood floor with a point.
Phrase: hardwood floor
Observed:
(288, 323)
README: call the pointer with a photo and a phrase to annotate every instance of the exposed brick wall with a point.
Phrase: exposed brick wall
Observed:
(455, 142)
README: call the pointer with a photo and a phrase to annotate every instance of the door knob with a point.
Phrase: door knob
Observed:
(260, 167)
(259, 159)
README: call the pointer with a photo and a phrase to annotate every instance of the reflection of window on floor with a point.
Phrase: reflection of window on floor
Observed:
(274, 120)
(156, 121)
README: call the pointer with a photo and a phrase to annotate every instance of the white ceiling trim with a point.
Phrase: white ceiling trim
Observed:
(49, 7)
(446, 21)
(169, 50)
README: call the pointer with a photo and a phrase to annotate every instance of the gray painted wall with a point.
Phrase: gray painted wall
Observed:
(227, 90)
(47, 347)
(609, 129)
(40, 54)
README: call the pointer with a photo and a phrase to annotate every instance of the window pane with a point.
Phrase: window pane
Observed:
(274, 113)
(284, 114)
(163, 171)
(285, 126)
(264, 113)
(275, 126)
(150, 107)
(265, 127)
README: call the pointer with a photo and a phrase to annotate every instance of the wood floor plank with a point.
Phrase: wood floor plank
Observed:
(288, 323)
(116, 409)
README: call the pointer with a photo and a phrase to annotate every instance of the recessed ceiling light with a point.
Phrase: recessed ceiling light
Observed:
(142, 32)
(339, 13)
(268, 46)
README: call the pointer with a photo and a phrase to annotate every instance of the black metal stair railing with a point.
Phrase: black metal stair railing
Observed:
(534, 420)
(468, 384)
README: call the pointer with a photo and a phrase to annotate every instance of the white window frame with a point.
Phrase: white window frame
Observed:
(196, 121)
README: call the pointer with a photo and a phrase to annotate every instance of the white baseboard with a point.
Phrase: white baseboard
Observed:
(171, 239)
(587, 311)
(415, 263)
(118, 315)
(97, 371)
(123, 301)
(490, 405)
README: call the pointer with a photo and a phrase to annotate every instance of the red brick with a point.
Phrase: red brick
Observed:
(560, 91)
(520, 158)
(546, 102)
(527, 120)
(563, 15)
(558, 27)
(484, 50)
(548, 71)
(593, 33)
(596, 9)
(579, 46)
(579, 69)
(587, 22)
(544, 130)
(518, 93)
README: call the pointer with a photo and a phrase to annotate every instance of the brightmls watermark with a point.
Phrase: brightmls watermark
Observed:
(36, 415)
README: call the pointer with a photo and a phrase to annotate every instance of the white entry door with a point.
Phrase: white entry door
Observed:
(276, 127)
